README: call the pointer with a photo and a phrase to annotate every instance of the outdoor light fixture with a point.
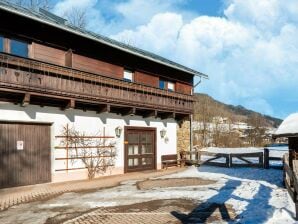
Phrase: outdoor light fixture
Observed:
(163, 133)
(118, 131)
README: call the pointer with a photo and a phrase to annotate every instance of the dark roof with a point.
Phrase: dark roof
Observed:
(274, 136)
(60, 23)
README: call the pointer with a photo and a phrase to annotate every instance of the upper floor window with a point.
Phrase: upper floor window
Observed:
(166, 85)
(1, 44)
(19, 48)
(171, 86)
(128, 76)
(162, 84)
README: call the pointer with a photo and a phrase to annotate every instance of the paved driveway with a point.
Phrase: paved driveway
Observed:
(191, 196)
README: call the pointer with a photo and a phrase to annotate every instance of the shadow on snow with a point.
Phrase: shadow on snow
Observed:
(216, 208)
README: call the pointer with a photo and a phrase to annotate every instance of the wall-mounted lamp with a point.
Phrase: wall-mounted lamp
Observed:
(118, 131)
(163, 133)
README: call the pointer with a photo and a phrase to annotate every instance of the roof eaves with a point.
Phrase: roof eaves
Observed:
(95, 37)
(285, 135)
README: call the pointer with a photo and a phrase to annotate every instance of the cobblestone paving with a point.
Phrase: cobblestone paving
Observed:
(13, 196)
(157, 212)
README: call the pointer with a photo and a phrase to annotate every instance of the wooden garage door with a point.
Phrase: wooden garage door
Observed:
(24, 154)
(140, 149)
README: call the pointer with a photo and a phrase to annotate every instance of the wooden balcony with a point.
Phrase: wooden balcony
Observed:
(36, 80)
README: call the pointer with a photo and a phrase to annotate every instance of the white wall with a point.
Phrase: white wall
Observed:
(91, 123)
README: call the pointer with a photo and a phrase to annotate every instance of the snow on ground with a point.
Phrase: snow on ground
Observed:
(257, 196)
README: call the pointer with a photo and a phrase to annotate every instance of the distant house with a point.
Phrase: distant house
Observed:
(53, 74)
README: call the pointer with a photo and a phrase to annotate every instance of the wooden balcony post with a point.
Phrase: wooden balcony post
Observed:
(26, 100)
(70, 105)
(104, 109)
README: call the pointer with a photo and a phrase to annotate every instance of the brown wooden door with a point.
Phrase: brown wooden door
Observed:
(140, 149)
(25, 154)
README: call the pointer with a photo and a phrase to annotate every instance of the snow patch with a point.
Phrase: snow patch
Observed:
(289, 125)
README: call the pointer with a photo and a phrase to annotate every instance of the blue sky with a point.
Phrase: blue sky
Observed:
(249, 48)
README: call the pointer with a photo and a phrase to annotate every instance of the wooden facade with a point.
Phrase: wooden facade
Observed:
(70, 71)
(59, 86)
(48, 54)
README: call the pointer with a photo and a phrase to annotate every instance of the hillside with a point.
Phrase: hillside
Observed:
(206, 107)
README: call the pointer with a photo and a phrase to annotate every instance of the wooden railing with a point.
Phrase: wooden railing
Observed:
(34, 76)
(291, 180)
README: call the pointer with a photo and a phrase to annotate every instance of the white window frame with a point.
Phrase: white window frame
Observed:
(128, 75)
(171, 86)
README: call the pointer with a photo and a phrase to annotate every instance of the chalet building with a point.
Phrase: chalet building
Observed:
(54, 75)
(289, 129)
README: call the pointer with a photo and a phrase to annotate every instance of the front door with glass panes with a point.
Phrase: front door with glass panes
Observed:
(140, 151)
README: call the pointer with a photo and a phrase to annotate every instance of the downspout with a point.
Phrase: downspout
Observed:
(191, 118)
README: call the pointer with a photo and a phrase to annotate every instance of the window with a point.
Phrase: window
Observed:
(19, 48)
(1, 44)
(128, 76)
(162, 84)
(166, 85)
(171, 86)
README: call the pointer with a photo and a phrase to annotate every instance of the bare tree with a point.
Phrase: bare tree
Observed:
(204, 118)
(128, 40)
(217, 132)
(77, 17)
(34, 4)
(97, 154)
(256, 132)
(217, 126)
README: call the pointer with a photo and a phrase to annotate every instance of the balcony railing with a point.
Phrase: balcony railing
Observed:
(38, 77)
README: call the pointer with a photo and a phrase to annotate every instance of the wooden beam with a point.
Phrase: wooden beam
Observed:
(26, 100)
(70, 105)
(152, 113)
(104, 109)
(168, 115)
(183, 117)
(130, 111)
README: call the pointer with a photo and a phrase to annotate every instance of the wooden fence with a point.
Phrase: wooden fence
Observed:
(216, 156)
(268, 158)
(291, 180)
(255, 159)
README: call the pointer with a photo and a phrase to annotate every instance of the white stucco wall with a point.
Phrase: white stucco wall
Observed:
(91, 123)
